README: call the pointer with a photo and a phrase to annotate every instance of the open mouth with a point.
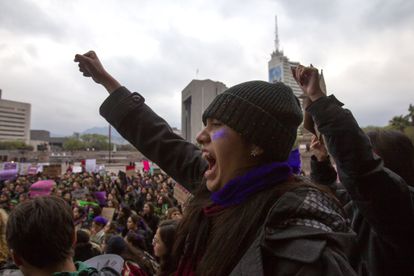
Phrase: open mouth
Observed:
(211, 164)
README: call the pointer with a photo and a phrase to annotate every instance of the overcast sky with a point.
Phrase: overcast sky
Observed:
(155, 47)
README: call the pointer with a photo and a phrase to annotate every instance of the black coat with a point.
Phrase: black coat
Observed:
(379, 202)
(304, 232)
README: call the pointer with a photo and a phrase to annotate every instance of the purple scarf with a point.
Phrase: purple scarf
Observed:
(237, 190)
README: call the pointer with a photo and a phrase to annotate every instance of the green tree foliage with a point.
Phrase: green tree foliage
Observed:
(14, 145)
(404, 123)
(73, 144)
(411, 114)
(95, 141)
(127, 147)
(399, 122)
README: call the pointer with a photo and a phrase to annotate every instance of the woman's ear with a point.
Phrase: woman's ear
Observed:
(256, 151)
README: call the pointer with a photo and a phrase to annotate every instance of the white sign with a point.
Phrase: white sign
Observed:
(107, 260)
(90, 165)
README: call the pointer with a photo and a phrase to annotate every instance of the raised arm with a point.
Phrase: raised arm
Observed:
(143, 128)
(382, 197)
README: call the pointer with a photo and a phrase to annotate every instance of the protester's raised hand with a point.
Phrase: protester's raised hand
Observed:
(318, 148)
(308, 80)
(90, 65)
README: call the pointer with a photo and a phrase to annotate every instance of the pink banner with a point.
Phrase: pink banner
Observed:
(146, 165)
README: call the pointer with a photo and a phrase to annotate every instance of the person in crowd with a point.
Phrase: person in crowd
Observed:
(163, 204)
(149, 216)
(174, 213)
(79, 216)
(375, 171)
(122, 218)
(137, 226)
(40, 235)
(163, 246)
(98, 229)
(4, 251)
(111, 228)
(5, 201)
(137, 240)
(247, 202)
(84, 249)
(136, 263)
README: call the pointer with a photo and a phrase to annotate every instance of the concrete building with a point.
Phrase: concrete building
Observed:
(196, 97)
(14, 120)
(280, 69)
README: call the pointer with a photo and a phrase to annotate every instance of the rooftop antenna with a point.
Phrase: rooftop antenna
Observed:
(276, 36)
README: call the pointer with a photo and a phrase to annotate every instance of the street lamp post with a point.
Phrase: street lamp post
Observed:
(109, 147)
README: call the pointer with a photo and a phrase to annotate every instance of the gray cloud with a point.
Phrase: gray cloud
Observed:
(389, 14)
(25, 17)
(364, 48)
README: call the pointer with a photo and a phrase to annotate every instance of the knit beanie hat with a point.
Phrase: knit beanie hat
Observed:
(100, 220)
(265, 114)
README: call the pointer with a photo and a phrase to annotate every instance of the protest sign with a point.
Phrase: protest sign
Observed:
(108, 213)
(24, 168)
(107, 260)
(130, 171)
(90, 165)
(32, 170)
(80, 193)
(54, 170)
(181, 194)
(9, 171)
(146, 165)
(76, 169)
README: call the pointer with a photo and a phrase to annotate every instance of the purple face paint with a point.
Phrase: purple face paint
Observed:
(221, 133)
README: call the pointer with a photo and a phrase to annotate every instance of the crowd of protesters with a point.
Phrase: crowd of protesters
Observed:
(138, 205)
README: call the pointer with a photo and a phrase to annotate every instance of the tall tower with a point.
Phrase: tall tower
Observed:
(280, 66)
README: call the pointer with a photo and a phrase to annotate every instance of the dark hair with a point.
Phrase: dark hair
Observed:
(136, 239)
(167, 230)
(135, 219)
(396, 150)
(83, 248)
(41, 231)
(172, 210)
(198, 236)
(117, 245)
(151, 207)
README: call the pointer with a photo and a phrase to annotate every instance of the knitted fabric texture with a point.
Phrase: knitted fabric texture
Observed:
(265, 114)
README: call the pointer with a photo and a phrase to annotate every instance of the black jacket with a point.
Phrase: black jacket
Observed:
(304, 232)
(377, 200)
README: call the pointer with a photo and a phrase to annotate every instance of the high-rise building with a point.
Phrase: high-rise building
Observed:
(14, 120)
(196, 97)
(280, 68)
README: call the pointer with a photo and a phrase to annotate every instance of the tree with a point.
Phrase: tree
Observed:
(73, 144)
(95, 141)
(14, 145)
(411, 114)
(399, 122)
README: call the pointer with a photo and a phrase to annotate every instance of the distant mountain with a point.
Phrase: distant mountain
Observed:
(115, 136)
